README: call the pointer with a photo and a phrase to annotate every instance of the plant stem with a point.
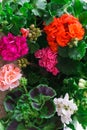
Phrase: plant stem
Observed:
(26, 91)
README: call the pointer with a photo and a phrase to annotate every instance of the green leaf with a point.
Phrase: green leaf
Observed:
(53, 123)
(33, 78)
(33, 47)
(83, 18)
(9, 104)
(11, 98)
(71, 126)
(63, 51)
(38, 5)
(42, 90)
(70, 85)
(12, 124)
(25, 8)
(21, 2)
(78, 7)
(49, 127)
(1, 126)
(21, 127)
(77, 53)
(68, 66)
(48, 110)
(82, 117)
(60, 2)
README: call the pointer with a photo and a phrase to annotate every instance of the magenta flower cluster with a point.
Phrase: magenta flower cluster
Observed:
(47, 59)
(13, 47)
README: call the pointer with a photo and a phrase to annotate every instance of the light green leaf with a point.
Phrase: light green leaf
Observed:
(38, 5)
(36, 12)
(21, 2)
(1, 126)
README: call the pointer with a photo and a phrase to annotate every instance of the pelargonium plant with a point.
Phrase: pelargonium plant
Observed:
(43, 64)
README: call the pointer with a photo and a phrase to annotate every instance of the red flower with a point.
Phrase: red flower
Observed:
(62, 30)
(25, 32)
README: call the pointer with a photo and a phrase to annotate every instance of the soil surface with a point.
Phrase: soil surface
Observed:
(2, 110)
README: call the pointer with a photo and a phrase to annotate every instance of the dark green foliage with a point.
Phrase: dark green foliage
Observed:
(35, 110)
(69, 66)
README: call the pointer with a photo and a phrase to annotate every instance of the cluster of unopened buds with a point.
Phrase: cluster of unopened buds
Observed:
(22, 63)
(32, 32)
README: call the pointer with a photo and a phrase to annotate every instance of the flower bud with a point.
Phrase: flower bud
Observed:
(23, 81)
(82, 81)
(81, 85)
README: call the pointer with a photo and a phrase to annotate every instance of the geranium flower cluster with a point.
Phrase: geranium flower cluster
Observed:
(62, 30)
(13, 47)
(10, 75)
(47, 59)
(65, 108)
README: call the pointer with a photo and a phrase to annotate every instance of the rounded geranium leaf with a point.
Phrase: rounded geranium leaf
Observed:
(34, 93)
(43, 90)
(9, 104)
(13, 125)
(15, 94)
(11, 98)
(48, 110)
(46, 91)
(36, 106)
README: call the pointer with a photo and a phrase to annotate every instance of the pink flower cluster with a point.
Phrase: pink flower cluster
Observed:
(48, 60)
(13, 47)
(9, 77)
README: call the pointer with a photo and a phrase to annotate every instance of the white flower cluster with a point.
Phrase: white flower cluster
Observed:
(65, 108)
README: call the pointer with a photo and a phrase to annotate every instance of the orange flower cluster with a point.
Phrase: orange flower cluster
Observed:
(62, 30)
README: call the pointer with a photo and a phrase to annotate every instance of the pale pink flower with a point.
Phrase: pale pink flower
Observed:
(9, 77)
